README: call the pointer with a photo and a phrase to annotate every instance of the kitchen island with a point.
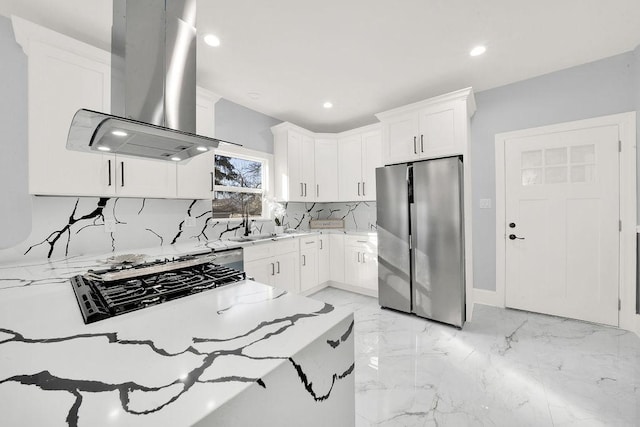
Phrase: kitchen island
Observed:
(242, 354)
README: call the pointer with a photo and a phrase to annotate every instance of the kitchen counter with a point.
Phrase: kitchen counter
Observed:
(243, 354)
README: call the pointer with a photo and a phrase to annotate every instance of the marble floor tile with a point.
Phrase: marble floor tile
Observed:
(505, 368)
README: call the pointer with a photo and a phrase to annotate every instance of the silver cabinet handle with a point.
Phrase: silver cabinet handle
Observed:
(415, 149)
(358, 188)
(421, 143)
(363, 258)
(305, 189)
(121, 174)
(304, 260)
(363, 193)
(363, 241)
(211, 180)
(301, 190)
(358, 256)
(273, 269)
(320, 244)
(317, 190)
(278, 262)
(309, 243)
(109, 172)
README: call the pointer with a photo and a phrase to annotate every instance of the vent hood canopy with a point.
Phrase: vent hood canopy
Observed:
(153, 86)
(92, 131)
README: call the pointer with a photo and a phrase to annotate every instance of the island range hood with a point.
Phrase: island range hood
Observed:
(153, 86)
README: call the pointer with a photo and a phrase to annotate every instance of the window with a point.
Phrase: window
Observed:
(239, 186)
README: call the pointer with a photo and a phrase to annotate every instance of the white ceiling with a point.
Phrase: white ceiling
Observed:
(368, 56)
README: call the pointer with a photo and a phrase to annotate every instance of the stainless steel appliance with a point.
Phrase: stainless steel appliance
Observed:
(421, 239)
(127, 287)
(153, 86)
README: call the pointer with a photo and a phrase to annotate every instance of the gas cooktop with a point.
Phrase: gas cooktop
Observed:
(120, 289)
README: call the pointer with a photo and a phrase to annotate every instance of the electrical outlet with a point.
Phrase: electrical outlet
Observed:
(485, 203)
(109, 226)
(189, 221)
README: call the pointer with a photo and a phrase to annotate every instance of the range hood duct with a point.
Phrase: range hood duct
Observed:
(153, 86)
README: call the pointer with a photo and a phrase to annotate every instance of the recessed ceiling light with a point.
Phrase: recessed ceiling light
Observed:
(478, 50)
(212, 40)
(119, 133)
(176, 159)
(201, 148)
(103, 148)
(327, 105)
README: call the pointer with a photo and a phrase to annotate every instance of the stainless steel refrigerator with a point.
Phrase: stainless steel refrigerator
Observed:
(421, 239)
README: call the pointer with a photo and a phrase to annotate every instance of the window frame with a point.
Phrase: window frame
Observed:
(266, 159)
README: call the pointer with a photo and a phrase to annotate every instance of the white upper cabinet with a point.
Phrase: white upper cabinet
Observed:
(436, 127)
(326, 168)
(294, 164)
(63, 78)
(195, 179)
(359, 155)
(350, 167)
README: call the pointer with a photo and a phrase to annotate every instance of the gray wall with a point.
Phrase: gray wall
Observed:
(15, 205)
(239, 124)
(590, 90)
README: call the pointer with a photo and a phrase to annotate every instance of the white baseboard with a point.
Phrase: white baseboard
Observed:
(485, 297)
(354, 289)
(315, 289)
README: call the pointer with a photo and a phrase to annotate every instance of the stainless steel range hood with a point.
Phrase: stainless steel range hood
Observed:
(153, 86)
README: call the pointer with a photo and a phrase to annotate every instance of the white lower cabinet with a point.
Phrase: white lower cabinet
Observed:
(324, 259)
(336, 257)
(275, 264)
(299, 265)
(308, 263)
(361, 262)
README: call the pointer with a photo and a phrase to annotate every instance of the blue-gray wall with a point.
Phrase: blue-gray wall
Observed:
(15, 204)
(239, 124)
(590, 90)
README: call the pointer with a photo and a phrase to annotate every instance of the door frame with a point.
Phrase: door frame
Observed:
(626, 122)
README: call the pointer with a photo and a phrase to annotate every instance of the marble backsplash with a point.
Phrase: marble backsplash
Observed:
(71, 226)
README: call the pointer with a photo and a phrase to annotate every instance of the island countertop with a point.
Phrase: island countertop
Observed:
(176, 363)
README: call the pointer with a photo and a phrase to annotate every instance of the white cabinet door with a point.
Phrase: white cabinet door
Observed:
(350, 167)
(401, 139)
(337, 257)
(369, 270)
(145, 178)
(61, 83)
(308, 269)
(294, 168)
(261, 270)
(195, 179)
(287, 275)
(324, 259)
(307, 172)
(326, 164)
(438, 133)
(371, 159)
(352, 265)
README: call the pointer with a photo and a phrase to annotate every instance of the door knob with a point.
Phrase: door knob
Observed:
(514, 237)
(512, 225)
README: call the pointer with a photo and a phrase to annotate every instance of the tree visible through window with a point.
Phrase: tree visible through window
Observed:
(238, 187)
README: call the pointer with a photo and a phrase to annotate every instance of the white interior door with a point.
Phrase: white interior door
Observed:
(562, 231)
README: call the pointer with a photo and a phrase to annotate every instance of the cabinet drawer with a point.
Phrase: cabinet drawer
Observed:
(354, 240)
(270, 249)
(310, 242)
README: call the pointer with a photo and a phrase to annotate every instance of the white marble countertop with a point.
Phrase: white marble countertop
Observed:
(170, 364)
